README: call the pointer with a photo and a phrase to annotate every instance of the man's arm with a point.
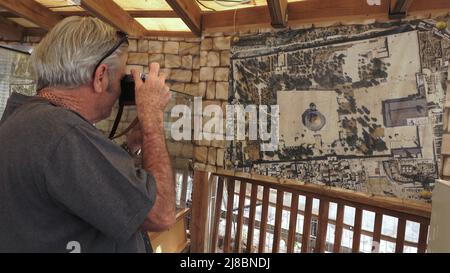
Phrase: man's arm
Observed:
(151, 99)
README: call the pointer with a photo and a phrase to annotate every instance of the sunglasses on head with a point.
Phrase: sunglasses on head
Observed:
(123, 38)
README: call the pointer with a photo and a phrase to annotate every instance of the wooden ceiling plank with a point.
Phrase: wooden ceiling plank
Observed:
(32, 11)
(112, 13)
(10, 31)
(133, 13)
(278, 13)
(189, 12)
(313, 12)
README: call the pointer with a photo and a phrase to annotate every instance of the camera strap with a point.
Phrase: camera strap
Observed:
(117, 121)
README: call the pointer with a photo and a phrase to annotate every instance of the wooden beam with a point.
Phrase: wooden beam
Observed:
(133, 13)
(198, 225)
(398, 8)
(278, 13)
(32, 11)
(35, 32)
(113, 14)
(189, 12)
(303, 12)
(10, 31)
(421, 6)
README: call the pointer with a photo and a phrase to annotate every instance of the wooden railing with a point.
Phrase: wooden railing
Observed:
(236, 201)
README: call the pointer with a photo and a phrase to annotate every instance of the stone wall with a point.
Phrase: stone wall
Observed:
(214, 74)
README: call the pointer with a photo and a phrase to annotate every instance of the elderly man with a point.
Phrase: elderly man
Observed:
(63, 185)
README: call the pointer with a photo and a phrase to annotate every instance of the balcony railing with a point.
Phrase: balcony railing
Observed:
(250, 213)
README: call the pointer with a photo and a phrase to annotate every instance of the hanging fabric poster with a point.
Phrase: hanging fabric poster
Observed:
(360, 106)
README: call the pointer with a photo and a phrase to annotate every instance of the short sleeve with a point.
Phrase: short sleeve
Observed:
(96, 180)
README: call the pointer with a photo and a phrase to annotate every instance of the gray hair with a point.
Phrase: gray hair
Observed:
(68, 54)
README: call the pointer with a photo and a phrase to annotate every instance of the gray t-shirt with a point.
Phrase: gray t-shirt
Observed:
(63, 183)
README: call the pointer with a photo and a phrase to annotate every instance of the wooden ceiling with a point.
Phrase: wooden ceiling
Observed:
(190, 18)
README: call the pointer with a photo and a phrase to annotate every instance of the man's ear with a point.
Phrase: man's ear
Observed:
(101, 79)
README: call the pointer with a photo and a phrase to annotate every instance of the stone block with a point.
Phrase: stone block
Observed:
(181, 75)
(206, 44)
(189, 48)
(156, 58)
(212, 156)
(225, 58)
(196, 62)
(138, 58)
(201, 154)
(143, 46)
(206, 74)
(132, 47)
(155, 47)
(171, 47)
(213, 59)
(221, 74)
(172, 61)
(222, 90)
(203, 58)
(138, 68)
(210, 90)
(221, 43)
(196, 76)
(187, 151)
(220, 157)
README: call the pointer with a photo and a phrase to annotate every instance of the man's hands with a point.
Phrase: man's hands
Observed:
(151, 99)
(152, 96)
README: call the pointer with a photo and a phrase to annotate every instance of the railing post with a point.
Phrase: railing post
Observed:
(230, 216)
(307, 224)
(423, 236)
(338, 228)
(240, 217)
(278, 219)
(251, 222)
(264, 214)
(357, 230)
(199, 221)
(401, 228)
(293, 224)
(377, 232)
(322, 226)
(217, 214)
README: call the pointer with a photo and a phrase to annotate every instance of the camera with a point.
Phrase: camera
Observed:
(127, 85)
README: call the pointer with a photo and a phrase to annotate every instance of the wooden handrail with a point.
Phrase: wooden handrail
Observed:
(365, 200)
